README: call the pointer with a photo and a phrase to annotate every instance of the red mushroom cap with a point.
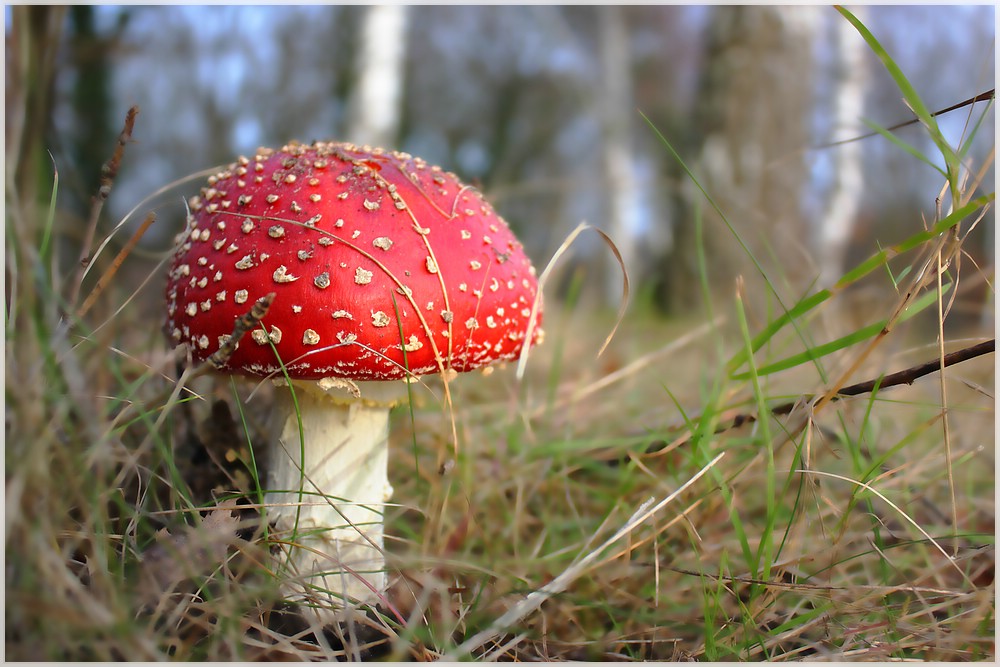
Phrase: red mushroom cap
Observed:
(370, 254)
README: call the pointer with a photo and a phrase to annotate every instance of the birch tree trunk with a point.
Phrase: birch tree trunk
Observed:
(375, 109)
(753, 120)
(835, 228)
(616, 105)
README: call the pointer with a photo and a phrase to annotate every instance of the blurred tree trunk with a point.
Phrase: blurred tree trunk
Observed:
(32, 48)
(93, 135)
(377, 100)
(615, 104)
(752, 117)
(95, 119)
(836, 226)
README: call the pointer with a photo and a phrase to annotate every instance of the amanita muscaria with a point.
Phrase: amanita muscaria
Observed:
(384, 268)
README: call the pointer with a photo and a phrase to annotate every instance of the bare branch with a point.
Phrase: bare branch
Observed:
(907, 376)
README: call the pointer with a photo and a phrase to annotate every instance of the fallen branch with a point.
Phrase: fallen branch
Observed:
(907, 376)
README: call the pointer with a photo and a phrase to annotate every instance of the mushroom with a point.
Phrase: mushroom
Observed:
(383, 268)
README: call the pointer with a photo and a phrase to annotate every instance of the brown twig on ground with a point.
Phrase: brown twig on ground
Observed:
(907, 376)
(109, 170)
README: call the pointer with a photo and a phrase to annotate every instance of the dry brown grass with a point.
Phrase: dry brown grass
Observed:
(547, 471)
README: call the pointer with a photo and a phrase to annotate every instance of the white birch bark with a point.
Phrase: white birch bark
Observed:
(616, 104)
(376, 103)
(851, 85)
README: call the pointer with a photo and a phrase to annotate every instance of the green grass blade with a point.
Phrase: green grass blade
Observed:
(253, 467)
(872, 263)
(841, 343)
(715, 206)
(912, 98)
(43, 252)
(916, 240)
(763, 560)
(904, 146)
(968, 143)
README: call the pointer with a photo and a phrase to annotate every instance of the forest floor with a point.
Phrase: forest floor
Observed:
(601, 508)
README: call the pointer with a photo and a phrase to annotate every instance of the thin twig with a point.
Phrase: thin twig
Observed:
(115, 265)
(907, 376)
(243, 324)
(108, 173)
(981, 97)
(910, 375)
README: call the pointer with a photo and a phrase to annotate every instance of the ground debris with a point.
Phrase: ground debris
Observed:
(188, 553)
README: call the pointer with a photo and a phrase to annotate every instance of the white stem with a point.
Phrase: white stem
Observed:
(335, 524)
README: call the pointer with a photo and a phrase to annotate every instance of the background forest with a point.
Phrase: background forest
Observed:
(771, 265)
(540, 106)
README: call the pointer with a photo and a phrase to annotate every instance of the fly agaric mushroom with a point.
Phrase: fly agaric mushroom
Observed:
(383, 268)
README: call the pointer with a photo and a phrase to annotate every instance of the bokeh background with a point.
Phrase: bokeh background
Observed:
(552, 111)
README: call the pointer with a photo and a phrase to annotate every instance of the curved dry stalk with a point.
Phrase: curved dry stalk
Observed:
(535, 599)
(198, 175)
(899, 510)
(522, 361)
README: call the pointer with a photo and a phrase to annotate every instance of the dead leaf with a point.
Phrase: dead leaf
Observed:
(188, 554)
